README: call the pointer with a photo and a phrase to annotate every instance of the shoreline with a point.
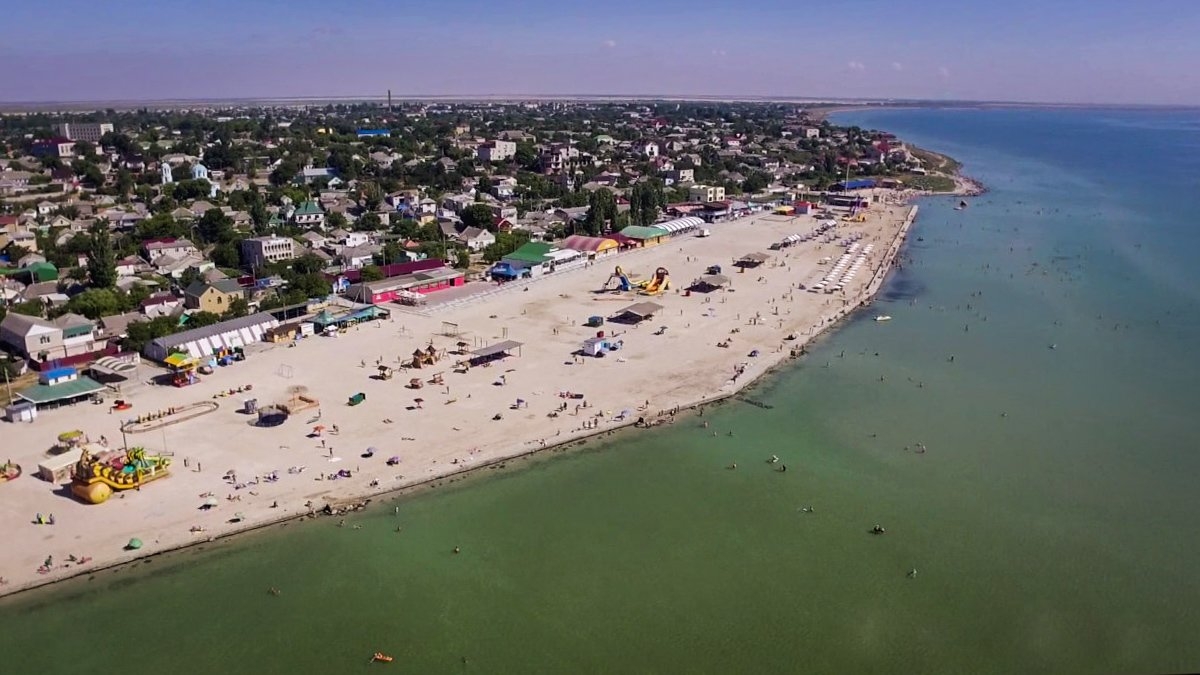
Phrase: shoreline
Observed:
(769, 363)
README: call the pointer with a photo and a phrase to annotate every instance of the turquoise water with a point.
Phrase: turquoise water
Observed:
(1051, 519)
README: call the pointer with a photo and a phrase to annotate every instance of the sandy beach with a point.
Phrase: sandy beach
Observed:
(481, 416)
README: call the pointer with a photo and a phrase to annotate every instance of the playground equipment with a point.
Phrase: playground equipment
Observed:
(226, 356)
(624, 281)
(167, 416)
(94, 480)
(426, 357)
(183, 369)
(658, 284)
(9, 471)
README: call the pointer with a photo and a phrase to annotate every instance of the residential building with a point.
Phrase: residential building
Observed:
(496, 151)
(309, 214)
(215, 297)
(37, 338)
(83, 131)
(257, 251)
(476, 239)
(680, 176)
(54, 147)
(706, 193)
(649, 149)
(812, 132)
(169, 246)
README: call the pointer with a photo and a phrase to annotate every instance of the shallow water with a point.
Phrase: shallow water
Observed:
(1050, 519)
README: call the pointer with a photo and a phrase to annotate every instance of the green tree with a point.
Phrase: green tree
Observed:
(371, 195)
(201, 319)
(371, 273)
(368, 222)
(214, 226)
(28, 308)
(140, 333)
(478, 215)
(238, 308)
(464, 259)
(102, 262)
(97, 302)
(335, 220)
(602, 211)
(226, 255)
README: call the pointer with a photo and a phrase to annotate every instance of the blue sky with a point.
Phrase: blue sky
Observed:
(1093, 51)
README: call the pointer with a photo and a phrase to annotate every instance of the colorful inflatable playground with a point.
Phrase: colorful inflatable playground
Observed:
(9, 471)
(95, 480)
(626, 283)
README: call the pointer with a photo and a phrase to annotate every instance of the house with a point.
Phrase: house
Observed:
(679, 176)
(176, 248)
(132, 265)
(496, 151)
(258, 251)
(313, 239)
(37, 338)
(160, 304)
(649, 149)
(476, 239)
(309, 174)
(357, 257)
(201, 207)
(175, 266)
(309, 214)
(116, 326)
(215, 297)
(812, 132)
(706, 193)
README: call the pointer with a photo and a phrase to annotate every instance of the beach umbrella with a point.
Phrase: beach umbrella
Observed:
(134, 544)
(238, 517)
(394, 459)
(418, 401)
(319, 428)
(211, 502)
(371, 451)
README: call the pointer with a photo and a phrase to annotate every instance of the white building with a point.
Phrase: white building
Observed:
(257, 251)
(706, 193)
(496, 151)
(84, 131)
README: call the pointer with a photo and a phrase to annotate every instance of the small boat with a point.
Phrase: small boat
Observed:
(381, 657)
(883, 317)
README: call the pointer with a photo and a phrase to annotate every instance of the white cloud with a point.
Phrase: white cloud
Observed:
(609, 43)
(944, 72)
(856, 65)
(896, 66)
(719, 52)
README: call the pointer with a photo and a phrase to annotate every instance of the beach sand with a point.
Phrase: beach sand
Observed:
(452, 429)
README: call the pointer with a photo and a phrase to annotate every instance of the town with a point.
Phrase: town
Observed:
(121, 231)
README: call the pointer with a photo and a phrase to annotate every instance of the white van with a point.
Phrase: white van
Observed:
(704, 233)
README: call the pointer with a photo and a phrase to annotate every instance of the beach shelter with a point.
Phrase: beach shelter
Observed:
(593, 247)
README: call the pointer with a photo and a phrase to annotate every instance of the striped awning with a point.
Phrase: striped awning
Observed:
(680, 224)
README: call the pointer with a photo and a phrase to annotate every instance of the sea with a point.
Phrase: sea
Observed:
(1025, 429)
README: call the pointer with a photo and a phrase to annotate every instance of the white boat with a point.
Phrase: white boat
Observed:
(883, 317)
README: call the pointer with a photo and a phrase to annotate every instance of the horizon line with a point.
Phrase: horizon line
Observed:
(48, 105)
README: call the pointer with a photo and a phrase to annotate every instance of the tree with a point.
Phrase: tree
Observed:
(371, 195)
(202, 319)
(214, 226)
(28, 308)
(238, 308)
(226, 254)
(97, 302)
(84, 149)
(102, 262)
(464, 259)
(368, 222)
(140, 333)
(478, 215)
(371, 273)
(602, 210)
(335, 220)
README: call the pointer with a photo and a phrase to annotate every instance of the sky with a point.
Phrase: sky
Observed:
(1054, 51)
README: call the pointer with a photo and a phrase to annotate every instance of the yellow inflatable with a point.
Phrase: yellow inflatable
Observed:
(95, 481)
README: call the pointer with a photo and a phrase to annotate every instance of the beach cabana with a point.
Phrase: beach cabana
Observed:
(637, 313)
(752, 259)
(496, 352)
(592, 247)
(709, 283)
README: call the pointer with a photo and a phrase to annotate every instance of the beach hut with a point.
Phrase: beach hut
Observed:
(637, 313)
(752, 259)
(592, 247)
(641, 236)
(594, 346)
(496, 352)
(709, 283)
